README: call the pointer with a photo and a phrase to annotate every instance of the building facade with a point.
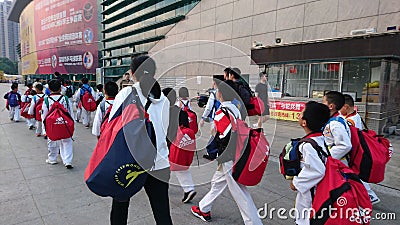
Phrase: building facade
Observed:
(223, 33)
(9, 33)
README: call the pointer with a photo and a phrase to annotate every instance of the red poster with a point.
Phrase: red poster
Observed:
(66, 36)
(285, 110)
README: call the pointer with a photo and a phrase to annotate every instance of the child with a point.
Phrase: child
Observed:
(99, 95)
(29, 120)
(223, 176)
(64, 146)
(78, 104)
(184, 98)
(13, 103)
(354, 118)
(32, 109)
(312, 119)
(86, 115)
(336, 133)
(182, 144)
(111, 90)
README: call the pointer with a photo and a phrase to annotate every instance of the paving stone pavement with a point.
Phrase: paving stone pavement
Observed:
(35, 193)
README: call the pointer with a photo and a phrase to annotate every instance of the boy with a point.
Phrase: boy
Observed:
(336, 131)
(77, 104)
(354, 118)
(184, 98)
(32, 109)
(111, 90)
(64, 146)
(78, 96)
(13, 103)
(223, 176)
(99, 94)
(312, 119)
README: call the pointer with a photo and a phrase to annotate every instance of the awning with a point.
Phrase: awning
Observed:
(386, 45)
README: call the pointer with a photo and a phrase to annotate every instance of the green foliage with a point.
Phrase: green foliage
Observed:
(8, 66)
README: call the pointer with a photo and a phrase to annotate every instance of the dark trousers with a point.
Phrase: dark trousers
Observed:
(156, 188)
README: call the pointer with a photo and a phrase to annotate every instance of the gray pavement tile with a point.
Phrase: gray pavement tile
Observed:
(13, 190)
(38, 221)
(18, 210)
(55, 182)
(9, 176)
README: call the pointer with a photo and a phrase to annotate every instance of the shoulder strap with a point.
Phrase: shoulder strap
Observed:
(46, 101)
(148, 103)
(103, 106)
(315, 145)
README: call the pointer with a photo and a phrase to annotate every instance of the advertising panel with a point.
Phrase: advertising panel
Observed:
(65, 36)
(284, 110)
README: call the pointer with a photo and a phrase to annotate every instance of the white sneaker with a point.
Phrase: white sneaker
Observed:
(48, 161)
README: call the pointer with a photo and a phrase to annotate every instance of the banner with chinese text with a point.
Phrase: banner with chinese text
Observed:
(285, 110)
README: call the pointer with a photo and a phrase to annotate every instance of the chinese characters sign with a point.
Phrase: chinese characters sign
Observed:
(65, 34)
(284, 110)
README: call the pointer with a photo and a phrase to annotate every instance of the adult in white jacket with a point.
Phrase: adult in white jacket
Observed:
(156, 186)
(312, 119)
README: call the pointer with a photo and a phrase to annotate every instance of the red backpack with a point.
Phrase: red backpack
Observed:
(88, 102)
(182, 149)
(192, 117)
(257, 106)
(369, 155)
(58, 122)
(25, 109)
(38, 108)
(340, 197)
(251, 151)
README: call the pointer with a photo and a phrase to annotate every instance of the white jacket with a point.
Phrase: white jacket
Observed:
(337, 137)
(158, 114)
(98, 117)
(210, 105)
(33, 103)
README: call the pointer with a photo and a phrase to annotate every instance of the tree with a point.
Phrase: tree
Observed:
(8, 66)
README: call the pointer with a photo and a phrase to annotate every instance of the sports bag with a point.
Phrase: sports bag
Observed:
(13, 99)
(38, 108)
(340, 192)
(58, 122)
(124, 152)
(257, 106)
(25, 110)
(182, 149)
(192, 117)
(251, 151)
(88, 102)
(369, 155)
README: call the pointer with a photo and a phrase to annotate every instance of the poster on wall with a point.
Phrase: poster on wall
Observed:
(65, 34)
(285, 110)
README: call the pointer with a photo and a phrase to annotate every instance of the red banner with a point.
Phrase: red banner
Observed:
(285, 110)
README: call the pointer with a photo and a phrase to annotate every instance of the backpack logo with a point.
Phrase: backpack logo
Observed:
(60, 120)
(127, 173)
(186, 140)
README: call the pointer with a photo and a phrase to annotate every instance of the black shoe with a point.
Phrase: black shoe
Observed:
(208, 157)
(69, 166)
(45, 137)
(31, 127)
(188, 196)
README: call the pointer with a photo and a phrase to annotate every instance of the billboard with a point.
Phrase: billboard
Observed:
(64, 34)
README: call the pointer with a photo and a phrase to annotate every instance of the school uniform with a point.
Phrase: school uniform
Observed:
(77, 106)
(355, 119)
(312, 172)
(210, 109)
(15, 111)
(156, 185)
(337, 138)
(39, 124)
(27, 99)
(99, 115)
(85, 114)
(180, 103)
(64, 146)
(223, 176)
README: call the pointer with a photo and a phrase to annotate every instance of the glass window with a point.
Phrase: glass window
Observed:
(296, 82)
(324, 77)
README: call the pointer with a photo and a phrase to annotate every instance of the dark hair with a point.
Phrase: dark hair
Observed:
(262, 74)
(85, 80)
(57, 73)
(14, 86)
(37, 80)
(29, 85)
(143, 65)
(335, 97)
(150, 87)
(183, 92)
(68, 82)
(80, 85)
(39, 87)
(111, 89)
(316, 114)
(235, 72)
(184, 119)
(33, 92)
(99, 87)
(227, 70)
(348, 100)
(55, 85)
(170, 93)
(228, 90)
